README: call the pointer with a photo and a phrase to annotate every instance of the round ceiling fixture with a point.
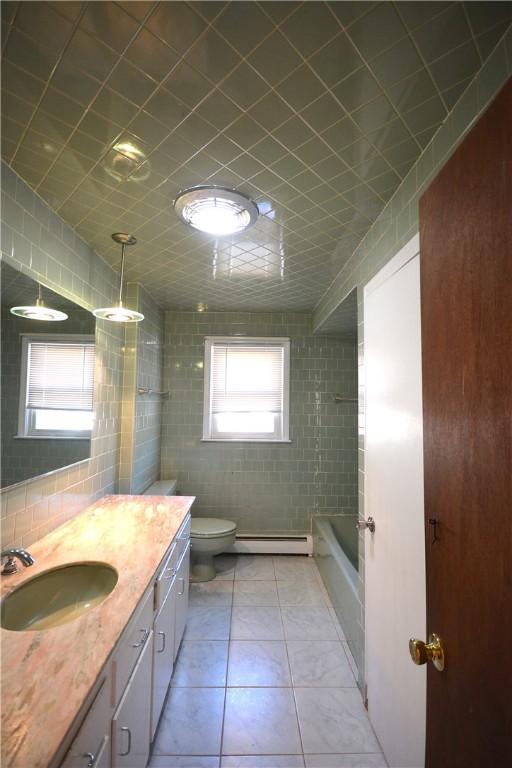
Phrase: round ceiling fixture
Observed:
(216, 210)
(119, 313)
(39, 311)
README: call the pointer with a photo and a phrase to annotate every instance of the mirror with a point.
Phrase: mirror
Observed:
(47, 380)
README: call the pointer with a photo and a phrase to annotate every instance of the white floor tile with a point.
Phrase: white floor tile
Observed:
(191, 722)
(201, 663)
(258, 663)
(260, 721)
(255, 593)
(288, 567)
(299, 593)
(260, 567)
(333, 720)
(208, 623)
(263, 761)
(318, 664)
(225, 566)
(308, 623)
(256, 624)
(216, 593)
(182, 761)
(345, 761)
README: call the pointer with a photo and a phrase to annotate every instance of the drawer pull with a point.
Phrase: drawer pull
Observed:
(162, 649)
(92, 759)
(145, 635)
(127, 730)
(183, 590)
(173, 573)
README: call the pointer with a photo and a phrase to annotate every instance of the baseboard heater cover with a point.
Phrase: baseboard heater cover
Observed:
(272, 544)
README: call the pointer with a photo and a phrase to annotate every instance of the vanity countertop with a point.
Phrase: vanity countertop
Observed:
(47, 674)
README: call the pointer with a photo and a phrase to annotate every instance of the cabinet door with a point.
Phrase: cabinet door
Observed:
(91, 746)
(182, 577)
(131, 722)
(163, 654)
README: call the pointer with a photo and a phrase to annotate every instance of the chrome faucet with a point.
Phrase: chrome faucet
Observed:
(11, 566)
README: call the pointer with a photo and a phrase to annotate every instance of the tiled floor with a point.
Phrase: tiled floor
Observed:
(264, 678)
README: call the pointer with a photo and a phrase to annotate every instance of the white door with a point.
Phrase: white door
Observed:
(182, 581)
(395, 597)
(163, 654)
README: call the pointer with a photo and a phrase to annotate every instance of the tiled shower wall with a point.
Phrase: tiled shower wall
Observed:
(265, 488)
(142, 414)
(395, 226)
(36, 241)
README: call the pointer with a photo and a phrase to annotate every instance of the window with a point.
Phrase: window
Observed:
(246, 389)
(57, 379)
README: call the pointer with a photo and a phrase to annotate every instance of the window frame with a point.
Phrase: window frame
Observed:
(26, 416)
(284, 344)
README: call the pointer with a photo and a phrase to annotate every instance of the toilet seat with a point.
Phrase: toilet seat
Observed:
(211, 527)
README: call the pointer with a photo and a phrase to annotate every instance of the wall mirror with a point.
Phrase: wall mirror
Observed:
(47, 379)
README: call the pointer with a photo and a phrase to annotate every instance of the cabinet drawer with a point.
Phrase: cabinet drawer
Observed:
(183, 537)
(91, 746)
(165, 577)
(132, 643)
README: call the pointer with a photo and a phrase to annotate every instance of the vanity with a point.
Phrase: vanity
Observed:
(88, 692)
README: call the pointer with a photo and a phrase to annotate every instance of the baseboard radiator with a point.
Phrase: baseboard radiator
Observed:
(253, 544)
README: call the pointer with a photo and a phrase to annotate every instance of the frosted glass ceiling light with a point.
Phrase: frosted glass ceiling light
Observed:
(216, 210)
(120, 314)
(39, 311)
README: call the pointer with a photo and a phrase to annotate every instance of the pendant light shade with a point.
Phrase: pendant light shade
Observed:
(39, 311)
(119, 313)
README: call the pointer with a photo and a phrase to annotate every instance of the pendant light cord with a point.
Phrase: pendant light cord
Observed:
(123, 246)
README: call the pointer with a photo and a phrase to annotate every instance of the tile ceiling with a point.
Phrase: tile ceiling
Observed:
(317, 110)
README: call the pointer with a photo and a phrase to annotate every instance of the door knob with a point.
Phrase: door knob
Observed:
(432, 651)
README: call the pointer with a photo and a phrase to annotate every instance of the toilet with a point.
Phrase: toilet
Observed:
(209, 536)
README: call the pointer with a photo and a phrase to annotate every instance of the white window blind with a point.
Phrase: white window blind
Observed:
(60, 376)
(246, 389)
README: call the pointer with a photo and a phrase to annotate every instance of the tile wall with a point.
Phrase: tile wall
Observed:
(142, 414)
(37, 241)
(397, 224)
(265, 488)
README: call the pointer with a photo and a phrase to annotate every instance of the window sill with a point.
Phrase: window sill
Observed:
(49, 437)
(240, 440)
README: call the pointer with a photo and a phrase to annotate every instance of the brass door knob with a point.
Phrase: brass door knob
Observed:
(432, 651)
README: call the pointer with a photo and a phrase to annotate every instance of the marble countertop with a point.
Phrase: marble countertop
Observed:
(47, 674)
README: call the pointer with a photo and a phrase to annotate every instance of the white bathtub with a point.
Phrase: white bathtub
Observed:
(341, 579)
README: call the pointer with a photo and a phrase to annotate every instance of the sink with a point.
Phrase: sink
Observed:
(57, 596)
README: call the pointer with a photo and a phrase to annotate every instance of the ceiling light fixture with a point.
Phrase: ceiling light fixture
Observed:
(216, 210)
(39, 311)
(120, 314)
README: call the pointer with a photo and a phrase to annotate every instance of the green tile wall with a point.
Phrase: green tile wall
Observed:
(37, 241)
(265, 488)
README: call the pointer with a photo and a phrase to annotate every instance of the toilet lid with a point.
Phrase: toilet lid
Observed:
(211, 526)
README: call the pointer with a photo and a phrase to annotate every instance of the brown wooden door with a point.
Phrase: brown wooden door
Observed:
(466, 296)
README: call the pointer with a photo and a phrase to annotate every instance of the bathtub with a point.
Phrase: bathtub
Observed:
(331, 537)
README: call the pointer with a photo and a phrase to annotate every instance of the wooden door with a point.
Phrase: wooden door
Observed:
(466, 295)
(395, 553)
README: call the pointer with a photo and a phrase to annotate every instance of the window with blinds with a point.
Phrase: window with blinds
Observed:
(246, 389)
(57, 386)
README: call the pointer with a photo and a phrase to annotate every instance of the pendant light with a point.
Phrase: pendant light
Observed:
(39, 311)
(120, 314)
